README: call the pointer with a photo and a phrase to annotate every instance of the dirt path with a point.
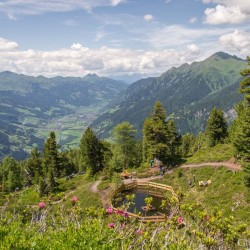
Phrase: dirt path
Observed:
(227, 164)
(94, 188)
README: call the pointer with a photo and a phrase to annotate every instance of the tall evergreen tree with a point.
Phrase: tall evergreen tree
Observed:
(216, 129)
(11, 174)
(154, 134)
(33, 166)
(124, 137)
(187, 143)
(245, 83)
(50, 161)
(92, 151)
(240, 129)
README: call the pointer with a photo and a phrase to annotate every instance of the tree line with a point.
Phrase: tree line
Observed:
(160, 140)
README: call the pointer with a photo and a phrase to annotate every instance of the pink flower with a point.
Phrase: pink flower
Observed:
(111, 225)
(41, 205)
(125, 215)
(109, 210)
(74, 199)
(119, 212)
(139, 231)
(180, 220)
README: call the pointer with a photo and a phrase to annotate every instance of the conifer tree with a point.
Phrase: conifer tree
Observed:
(33, 165)
(240, 129)
(92, 151)
(11, 174)
(216, 129)
(154, 134)
(50, 162)
(245, 83)
(124, 137)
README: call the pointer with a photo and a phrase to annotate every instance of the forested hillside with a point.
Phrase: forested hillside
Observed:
(30, 107)
(188, 93)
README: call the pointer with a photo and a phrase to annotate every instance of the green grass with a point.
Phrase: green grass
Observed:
(227, 189)
(104, 184)
(218, 153)
(78, 186)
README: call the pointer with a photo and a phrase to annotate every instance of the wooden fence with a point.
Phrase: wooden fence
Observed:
(155, 186)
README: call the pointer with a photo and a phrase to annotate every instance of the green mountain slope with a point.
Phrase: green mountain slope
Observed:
(32, 106)
(188, 93)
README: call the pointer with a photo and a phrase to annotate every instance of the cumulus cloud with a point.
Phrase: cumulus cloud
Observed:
(79, 60)
(227, 11)
(6, 45)
(33, 7)
(222, 15)
(148, 17)
(236, 41)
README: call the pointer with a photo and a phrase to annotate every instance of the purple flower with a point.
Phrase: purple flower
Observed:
(109, 210)
(125, 215)
(41, 205)
(180, 220)
(111, 225)
(139, 231)
(119, 212)
(74, 199)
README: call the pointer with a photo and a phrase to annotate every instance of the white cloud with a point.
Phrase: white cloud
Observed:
(221, 15)
(194, 48)
(236, 41)
(148, 17)
(33, 7)
(227, 11)
(6, 45)
(167, 1)
(79, 60)
(193, 19)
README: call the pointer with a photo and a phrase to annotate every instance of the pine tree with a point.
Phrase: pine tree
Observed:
(187, 143)
(173, 141)
(92, 152)
(50, 162)
(216, 129)
(245, 83)
(240, 129)
(124, 137)
(154, 134)
(11, 174)
(33, 166)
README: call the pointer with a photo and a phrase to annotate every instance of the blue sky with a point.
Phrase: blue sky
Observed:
(118, 37)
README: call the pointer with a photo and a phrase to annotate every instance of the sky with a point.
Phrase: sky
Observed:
(118, 38)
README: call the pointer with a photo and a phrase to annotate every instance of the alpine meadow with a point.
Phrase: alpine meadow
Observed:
(125, 124)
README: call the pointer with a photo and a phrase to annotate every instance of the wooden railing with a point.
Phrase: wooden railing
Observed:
(135, 184)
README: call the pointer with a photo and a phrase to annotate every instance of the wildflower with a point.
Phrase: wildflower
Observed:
(109, 210)
(125, 215)
(41, 205)
(180, 220)
(119, 212)
(111, 225)
(74, 199)
(139, 231)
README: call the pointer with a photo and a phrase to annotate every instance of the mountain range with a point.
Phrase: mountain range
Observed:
(30, 107)
(188, 93)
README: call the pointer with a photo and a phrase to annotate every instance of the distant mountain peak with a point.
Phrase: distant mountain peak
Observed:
(224, 56)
